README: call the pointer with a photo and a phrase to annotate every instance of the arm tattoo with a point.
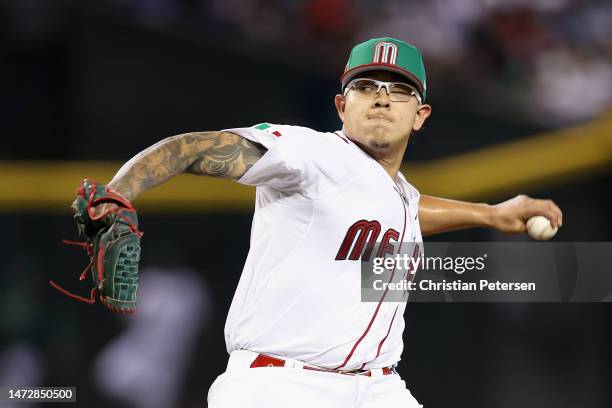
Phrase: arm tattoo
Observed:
(218, 154)
(230, 157)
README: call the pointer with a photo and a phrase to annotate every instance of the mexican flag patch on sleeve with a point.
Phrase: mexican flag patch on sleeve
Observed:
(266, 127)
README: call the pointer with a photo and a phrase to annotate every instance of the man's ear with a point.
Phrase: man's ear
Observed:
(422, 114)
(340, 103)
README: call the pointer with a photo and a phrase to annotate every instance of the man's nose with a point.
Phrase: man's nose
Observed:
(382, 98)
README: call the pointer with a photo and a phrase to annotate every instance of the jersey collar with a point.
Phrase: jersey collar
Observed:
(409, 190)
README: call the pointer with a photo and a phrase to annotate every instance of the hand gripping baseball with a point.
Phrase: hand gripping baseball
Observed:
(112, 241)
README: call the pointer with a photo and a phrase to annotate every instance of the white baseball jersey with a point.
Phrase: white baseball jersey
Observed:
(320, 201)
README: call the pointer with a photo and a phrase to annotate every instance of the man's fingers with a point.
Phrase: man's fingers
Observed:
(512, 215)
(559, 215)
(556, 214)
(548, 209)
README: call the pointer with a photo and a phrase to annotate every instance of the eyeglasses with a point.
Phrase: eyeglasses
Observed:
(369, 88)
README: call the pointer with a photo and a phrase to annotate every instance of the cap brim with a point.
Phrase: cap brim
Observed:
(352, 73)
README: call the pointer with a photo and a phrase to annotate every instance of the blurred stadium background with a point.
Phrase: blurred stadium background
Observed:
(521, 94)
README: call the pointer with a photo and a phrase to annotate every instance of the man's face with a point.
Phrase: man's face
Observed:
(380, 125)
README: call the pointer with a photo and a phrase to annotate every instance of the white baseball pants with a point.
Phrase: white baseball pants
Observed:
(291, 386)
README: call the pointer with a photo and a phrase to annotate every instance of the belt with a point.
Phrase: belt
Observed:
(265, 360)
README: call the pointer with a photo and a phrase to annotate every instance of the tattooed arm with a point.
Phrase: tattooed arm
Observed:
(217, 154)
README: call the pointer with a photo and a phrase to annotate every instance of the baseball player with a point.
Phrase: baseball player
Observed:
(297, 333)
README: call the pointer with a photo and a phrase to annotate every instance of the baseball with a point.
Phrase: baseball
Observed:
(539, 228)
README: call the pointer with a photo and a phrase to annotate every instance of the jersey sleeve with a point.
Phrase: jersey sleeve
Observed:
(288, 164)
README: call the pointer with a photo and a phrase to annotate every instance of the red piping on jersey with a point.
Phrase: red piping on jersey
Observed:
(346, 360)
(387, 335)
(345, 141)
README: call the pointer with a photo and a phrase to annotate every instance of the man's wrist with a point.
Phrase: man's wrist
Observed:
(126, 193)
(487, 215)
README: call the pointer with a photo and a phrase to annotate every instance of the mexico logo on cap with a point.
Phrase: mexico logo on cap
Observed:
(385, 53)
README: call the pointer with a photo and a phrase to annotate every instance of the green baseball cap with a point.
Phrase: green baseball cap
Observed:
(387, 54)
